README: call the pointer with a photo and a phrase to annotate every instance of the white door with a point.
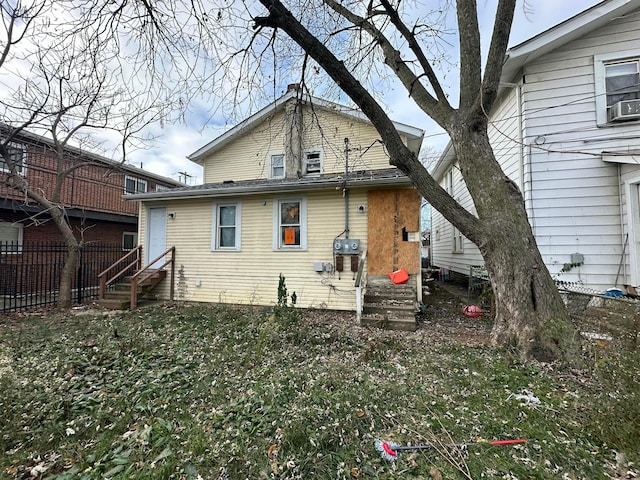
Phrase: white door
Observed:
(156, 234)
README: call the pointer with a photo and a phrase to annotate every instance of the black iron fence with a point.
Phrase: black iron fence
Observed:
(30, 273)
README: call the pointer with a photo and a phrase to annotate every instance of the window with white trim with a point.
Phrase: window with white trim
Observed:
(17, 155)
(226, 226)
(448, 181)
(10, 237)
(129, 241)
(458, 241)
(313, 162)
(276, 165)
(617, 87)
(134, 185)
(290, 224)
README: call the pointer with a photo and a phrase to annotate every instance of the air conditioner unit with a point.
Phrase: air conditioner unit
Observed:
(624, 110)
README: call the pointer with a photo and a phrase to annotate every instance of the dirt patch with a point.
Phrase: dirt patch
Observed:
(442, 317)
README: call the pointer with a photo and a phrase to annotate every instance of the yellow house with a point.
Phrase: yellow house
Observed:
(302, 188)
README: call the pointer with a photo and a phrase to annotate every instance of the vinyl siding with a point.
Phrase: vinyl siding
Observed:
(576, 201)
(250, 276)
(503, 134)
(576, 196)
(247, 157)
(442, 234)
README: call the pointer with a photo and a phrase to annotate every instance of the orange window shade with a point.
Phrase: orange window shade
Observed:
(289, 236)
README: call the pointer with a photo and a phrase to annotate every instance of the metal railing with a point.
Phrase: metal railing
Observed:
(30, 273)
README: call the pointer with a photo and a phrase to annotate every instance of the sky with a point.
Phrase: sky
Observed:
(166, 155)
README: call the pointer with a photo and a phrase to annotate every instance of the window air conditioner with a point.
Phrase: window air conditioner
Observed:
(624, 110)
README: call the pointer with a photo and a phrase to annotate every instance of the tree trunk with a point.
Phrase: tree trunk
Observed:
(68, 274)
(73, 254)
(530, 314)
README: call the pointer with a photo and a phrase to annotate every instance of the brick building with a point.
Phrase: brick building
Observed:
(92, 195)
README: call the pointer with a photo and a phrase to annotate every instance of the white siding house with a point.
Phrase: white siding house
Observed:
(567, 131)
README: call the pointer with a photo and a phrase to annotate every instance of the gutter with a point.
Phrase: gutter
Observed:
(217, 191)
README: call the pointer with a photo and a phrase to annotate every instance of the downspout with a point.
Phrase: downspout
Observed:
(623, 237)
(345, 190)
(523, 162)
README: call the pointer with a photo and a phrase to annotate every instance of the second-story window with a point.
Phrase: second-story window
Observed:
(18, 156)
(276, 166)
(313, 162)
(622, 85)
(134, 185)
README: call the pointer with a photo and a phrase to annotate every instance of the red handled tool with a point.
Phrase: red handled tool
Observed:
(391, 450)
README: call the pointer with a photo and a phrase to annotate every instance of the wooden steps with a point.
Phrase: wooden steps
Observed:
(390, 306)
(119, 297)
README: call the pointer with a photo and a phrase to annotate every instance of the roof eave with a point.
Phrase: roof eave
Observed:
(414, 135)
(216, 192)
(572, 28)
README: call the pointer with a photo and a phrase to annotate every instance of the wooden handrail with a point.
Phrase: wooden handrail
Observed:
(138, 277)
(102, 276)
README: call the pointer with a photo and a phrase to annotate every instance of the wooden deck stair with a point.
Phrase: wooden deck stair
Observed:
(119, 296)
(390, 306)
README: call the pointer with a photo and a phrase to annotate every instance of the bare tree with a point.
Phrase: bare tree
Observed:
(530, 314)
(210, 47)
(72, 87)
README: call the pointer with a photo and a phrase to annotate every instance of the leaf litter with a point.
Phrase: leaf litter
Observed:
(212, 392)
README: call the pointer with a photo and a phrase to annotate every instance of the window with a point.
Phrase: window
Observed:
(162, 188)
(10, 237)
(621, 81)
(276, 166)
(458, 241)
(313, 162)
(134, 185)
(617, 78)
(226, 227)
(18, 156)
(448, 181)
(290, 230)
(129, 241)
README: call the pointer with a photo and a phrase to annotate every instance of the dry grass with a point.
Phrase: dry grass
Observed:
(212, 392)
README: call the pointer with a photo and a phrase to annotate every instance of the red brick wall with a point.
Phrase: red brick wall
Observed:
(91, 187)
(90, 230)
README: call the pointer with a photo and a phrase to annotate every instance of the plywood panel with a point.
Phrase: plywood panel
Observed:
(389, 212)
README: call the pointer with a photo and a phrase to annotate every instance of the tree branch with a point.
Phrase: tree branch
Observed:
(470, 65)
(417, 51)
(495, 59)
(400, 155)
(440, 112)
